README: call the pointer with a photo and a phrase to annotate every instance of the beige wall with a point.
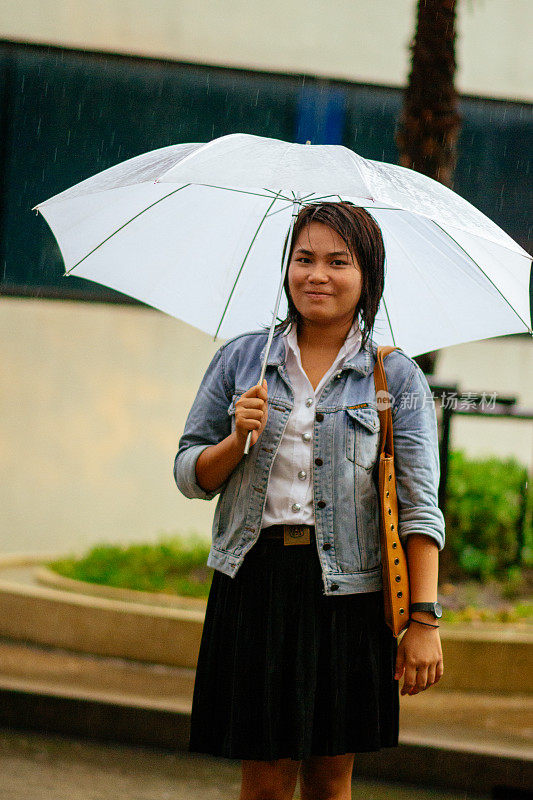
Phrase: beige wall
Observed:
(359, 40)
(94, 397)
(90, 418)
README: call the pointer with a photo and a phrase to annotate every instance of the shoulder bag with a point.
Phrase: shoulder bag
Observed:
(393, 559)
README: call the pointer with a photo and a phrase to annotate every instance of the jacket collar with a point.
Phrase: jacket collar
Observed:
(362, 362)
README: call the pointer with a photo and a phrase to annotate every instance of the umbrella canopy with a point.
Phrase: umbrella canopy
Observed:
(197, 231)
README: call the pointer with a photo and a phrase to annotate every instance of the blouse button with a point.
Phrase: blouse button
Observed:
(321, 504)
(296, 507)
(318, 462)
(319, 417)
(309, 402)
(306, 437)
(302, 475)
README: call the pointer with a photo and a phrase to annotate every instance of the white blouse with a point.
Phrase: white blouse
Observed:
(290, 487)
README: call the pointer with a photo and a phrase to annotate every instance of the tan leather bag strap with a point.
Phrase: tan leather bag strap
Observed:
(385, 416)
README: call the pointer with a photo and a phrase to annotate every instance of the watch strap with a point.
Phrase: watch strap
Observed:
(428, 607)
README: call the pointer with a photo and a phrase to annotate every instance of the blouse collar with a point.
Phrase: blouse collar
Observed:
(348, 349)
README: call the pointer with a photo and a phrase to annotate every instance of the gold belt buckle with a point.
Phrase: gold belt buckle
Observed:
(296, 534)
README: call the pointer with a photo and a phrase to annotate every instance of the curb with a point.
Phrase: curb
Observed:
(413, 762)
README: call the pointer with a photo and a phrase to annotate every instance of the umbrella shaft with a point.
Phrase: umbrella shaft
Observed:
(295, 208)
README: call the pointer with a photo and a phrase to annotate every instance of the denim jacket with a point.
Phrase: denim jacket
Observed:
(345, 446)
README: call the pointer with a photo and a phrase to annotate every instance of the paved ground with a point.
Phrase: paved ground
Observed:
(34, 766)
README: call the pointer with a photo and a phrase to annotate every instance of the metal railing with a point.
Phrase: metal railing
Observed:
(474, 404)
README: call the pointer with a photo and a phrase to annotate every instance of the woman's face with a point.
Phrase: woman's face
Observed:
(325, 282)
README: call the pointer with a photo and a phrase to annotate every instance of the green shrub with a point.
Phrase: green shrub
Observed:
(483, 510)
(175, 565)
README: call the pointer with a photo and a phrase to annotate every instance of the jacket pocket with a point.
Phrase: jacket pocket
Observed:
(362, 436)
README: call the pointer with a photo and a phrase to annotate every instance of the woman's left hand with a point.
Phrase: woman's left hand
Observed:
(419, 658)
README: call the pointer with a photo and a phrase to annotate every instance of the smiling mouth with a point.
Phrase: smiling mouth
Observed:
(318, 294)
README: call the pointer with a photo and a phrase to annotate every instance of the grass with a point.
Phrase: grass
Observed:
(174, 565)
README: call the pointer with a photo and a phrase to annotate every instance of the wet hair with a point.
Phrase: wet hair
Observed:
(362, 236)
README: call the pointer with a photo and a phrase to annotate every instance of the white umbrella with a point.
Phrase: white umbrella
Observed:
(197, 230)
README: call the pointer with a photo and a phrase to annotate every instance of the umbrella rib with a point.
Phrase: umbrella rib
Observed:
(484, 273)
(239, 273)
(123, 226)
(280, 210)
(388, 319)
(430, 219)
(245, 191)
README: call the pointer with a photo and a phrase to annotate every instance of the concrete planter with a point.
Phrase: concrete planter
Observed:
(99, 625)
(167, 630)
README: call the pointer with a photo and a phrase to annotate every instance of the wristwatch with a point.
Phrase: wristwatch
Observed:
(431, 608)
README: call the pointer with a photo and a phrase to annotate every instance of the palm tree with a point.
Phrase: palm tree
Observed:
(429, 126)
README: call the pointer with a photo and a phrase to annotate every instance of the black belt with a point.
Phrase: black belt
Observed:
(289, 534)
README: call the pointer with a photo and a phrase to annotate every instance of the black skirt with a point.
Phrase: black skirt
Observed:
(285, 671)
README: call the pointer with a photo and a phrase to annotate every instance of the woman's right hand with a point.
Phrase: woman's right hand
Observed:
(251, 413)
(216, 463)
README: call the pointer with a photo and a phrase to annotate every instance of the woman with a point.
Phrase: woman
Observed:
(297, 667)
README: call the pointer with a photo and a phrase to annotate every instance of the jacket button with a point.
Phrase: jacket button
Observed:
(334, 587)
(318, 462)
(326, 546)
(321, 504)
(319, 417)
